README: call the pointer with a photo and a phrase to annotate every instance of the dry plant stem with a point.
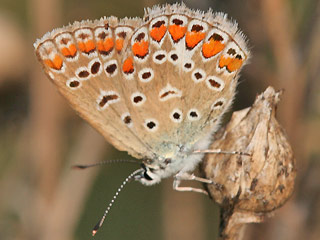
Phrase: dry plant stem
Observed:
(233, 222)
(248, 188)
(74, 186)
(290, 74)
(46, 118)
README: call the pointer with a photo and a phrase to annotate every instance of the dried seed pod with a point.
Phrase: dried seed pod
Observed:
(263, 181)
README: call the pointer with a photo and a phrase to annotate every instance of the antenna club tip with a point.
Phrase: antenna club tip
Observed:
(78, 167)
(94, 232)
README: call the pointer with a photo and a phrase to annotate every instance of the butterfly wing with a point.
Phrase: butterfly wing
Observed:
(184, 72)
(84, 61)
(152, 85)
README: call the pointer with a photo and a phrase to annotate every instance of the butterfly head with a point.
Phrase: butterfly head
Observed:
(149, 174)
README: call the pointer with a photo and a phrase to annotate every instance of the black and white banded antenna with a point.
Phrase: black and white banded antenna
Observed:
(84, 166)
(99, 224)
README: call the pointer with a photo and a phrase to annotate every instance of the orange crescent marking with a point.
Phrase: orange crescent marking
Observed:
(119, 44)
(72, 49)
(49, 63)
(56, 63)
(177, 32)
(100, 45)
(108, 44)
(158, 33)
(193, 38)
(69, 51)
(65, 51)
(82, 46)
(224, 61)
(140, 48)
(127, 66)
(211, 48)
(234, 65)
(90, 46)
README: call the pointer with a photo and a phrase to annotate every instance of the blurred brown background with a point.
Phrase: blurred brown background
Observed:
(41, 137)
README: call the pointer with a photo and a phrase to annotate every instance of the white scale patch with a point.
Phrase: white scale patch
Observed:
(102, 30)
(126, 30)
(51, 75)
(129, 76)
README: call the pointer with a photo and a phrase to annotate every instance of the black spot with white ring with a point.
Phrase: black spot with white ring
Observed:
(193, 114)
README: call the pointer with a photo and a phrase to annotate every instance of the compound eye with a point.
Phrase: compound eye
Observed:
(146, 176)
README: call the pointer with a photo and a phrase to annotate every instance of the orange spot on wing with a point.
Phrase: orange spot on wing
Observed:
(140, 49)
(90, 46)
(232, 64)
(193, 38)
(224, 61)
(100, 45)
(49, 63)
(177, 32)
(211, 48)
(127, 66)
(108, 44)
(158, 33)
(87, 46)
(73, 49)
(119, 44)
(69, 51)
(56, 63)
(65, 51)
(82, 46)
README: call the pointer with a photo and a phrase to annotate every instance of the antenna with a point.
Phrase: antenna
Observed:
(99, 224)
(84, 166)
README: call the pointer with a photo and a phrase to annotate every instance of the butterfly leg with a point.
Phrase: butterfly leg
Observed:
(191, 177)
(187, 176)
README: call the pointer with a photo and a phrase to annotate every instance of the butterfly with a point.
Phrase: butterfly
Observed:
(156, 87)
